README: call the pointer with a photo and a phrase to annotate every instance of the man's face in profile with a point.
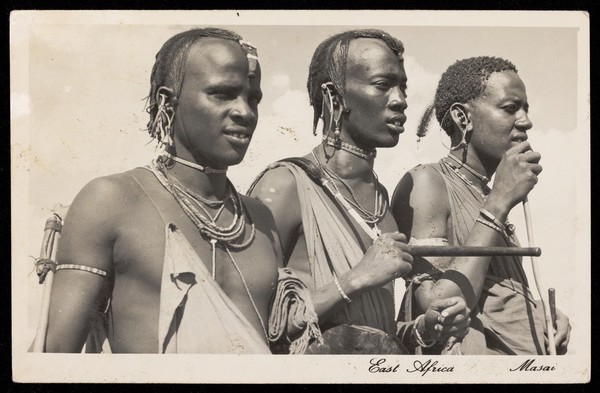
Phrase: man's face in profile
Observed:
(375, 94)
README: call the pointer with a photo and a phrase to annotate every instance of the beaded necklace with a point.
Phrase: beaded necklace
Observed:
(486, 189)
(483, 178)
(205, 169)
(381, 203)
(357, 151)
(206, 224)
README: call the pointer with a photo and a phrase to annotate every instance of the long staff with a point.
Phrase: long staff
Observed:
(538, 280)
(430, 251)
(45, 270)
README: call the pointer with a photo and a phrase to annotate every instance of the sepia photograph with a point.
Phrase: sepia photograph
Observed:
(292, 196)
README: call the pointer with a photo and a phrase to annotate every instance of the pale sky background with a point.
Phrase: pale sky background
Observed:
(78, 113)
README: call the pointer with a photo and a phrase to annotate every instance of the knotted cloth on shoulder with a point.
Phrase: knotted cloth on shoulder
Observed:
(292, 313)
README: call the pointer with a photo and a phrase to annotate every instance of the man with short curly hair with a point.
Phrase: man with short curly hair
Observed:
(482, 104)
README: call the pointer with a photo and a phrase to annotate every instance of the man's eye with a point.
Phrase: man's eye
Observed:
(382, 84)
(224, 96)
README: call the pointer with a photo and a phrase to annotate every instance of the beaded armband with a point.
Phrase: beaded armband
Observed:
(84, 268)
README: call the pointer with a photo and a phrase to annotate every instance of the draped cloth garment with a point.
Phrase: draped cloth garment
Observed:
(197, 316)
(332, 248)
(506, 319)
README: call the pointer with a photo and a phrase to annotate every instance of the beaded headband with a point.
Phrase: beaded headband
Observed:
(251, 54)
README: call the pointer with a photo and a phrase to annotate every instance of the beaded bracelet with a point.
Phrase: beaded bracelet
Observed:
(340, 290)
(420, 340)
(490, 217)
(491, 225)
(507, 226)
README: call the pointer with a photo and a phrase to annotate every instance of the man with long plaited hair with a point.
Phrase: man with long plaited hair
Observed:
(169, 258)
(329, 206)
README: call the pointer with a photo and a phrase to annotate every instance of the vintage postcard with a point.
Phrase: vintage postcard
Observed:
(79, 82)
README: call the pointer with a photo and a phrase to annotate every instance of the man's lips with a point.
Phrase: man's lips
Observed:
(239, 133)
(396, 123)
(520, 138)
(398, 120)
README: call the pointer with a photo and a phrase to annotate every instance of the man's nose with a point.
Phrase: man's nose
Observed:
(397, 101)
(523, 123)
(242, 112)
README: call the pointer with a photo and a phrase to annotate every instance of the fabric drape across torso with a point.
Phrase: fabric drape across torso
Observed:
(332, 248)
(507, 319)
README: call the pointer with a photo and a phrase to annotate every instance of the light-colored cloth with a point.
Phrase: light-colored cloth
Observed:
(196, 315)
(212, 323)
(332, 248)
(507, 319)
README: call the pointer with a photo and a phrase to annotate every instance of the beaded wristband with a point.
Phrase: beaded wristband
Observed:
(491, 225)
(490, 217)
(340, 290)
(420, 340)
(507, 226)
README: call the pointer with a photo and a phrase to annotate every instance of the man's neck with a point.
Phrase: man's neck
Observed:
(346, 165)
(482, 167)
(210, 186)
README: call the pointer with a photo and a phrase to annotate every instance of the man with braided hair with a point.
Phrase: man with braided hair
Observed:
(329, 206)
(482, 105)
(169, 258)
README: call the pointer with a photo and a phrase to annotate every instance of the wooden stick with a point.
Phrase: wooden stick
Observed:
(48, 251)
(538, 280)
(552, 301)
(471, 251)
(436, 251)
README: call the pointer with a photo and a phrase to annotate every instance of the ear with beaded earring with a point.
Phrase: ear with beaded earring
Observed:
(334, 108)
(464, 125)
(162, 126)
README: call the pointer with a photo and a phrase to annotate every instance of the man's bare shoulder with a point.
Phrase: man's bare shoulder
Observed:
(427, 177)
(419, 196)
(258, 210)
(105, 197)
(423, 177)
(278, 191)
(275, 184)
(113, 189)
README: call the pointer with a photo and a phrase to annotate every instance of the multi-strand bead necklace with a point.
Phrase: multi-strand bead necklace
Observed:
(484, 179)
(381, 203)
(228, 237)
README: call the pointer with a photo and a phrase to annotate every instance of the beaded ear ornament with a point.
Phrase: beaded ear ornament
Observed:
(334, 116)
(161, 127)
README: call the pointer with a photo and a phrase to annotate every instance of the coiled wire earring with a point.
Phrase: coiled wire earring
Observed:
(328, 102)
(337, 121)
